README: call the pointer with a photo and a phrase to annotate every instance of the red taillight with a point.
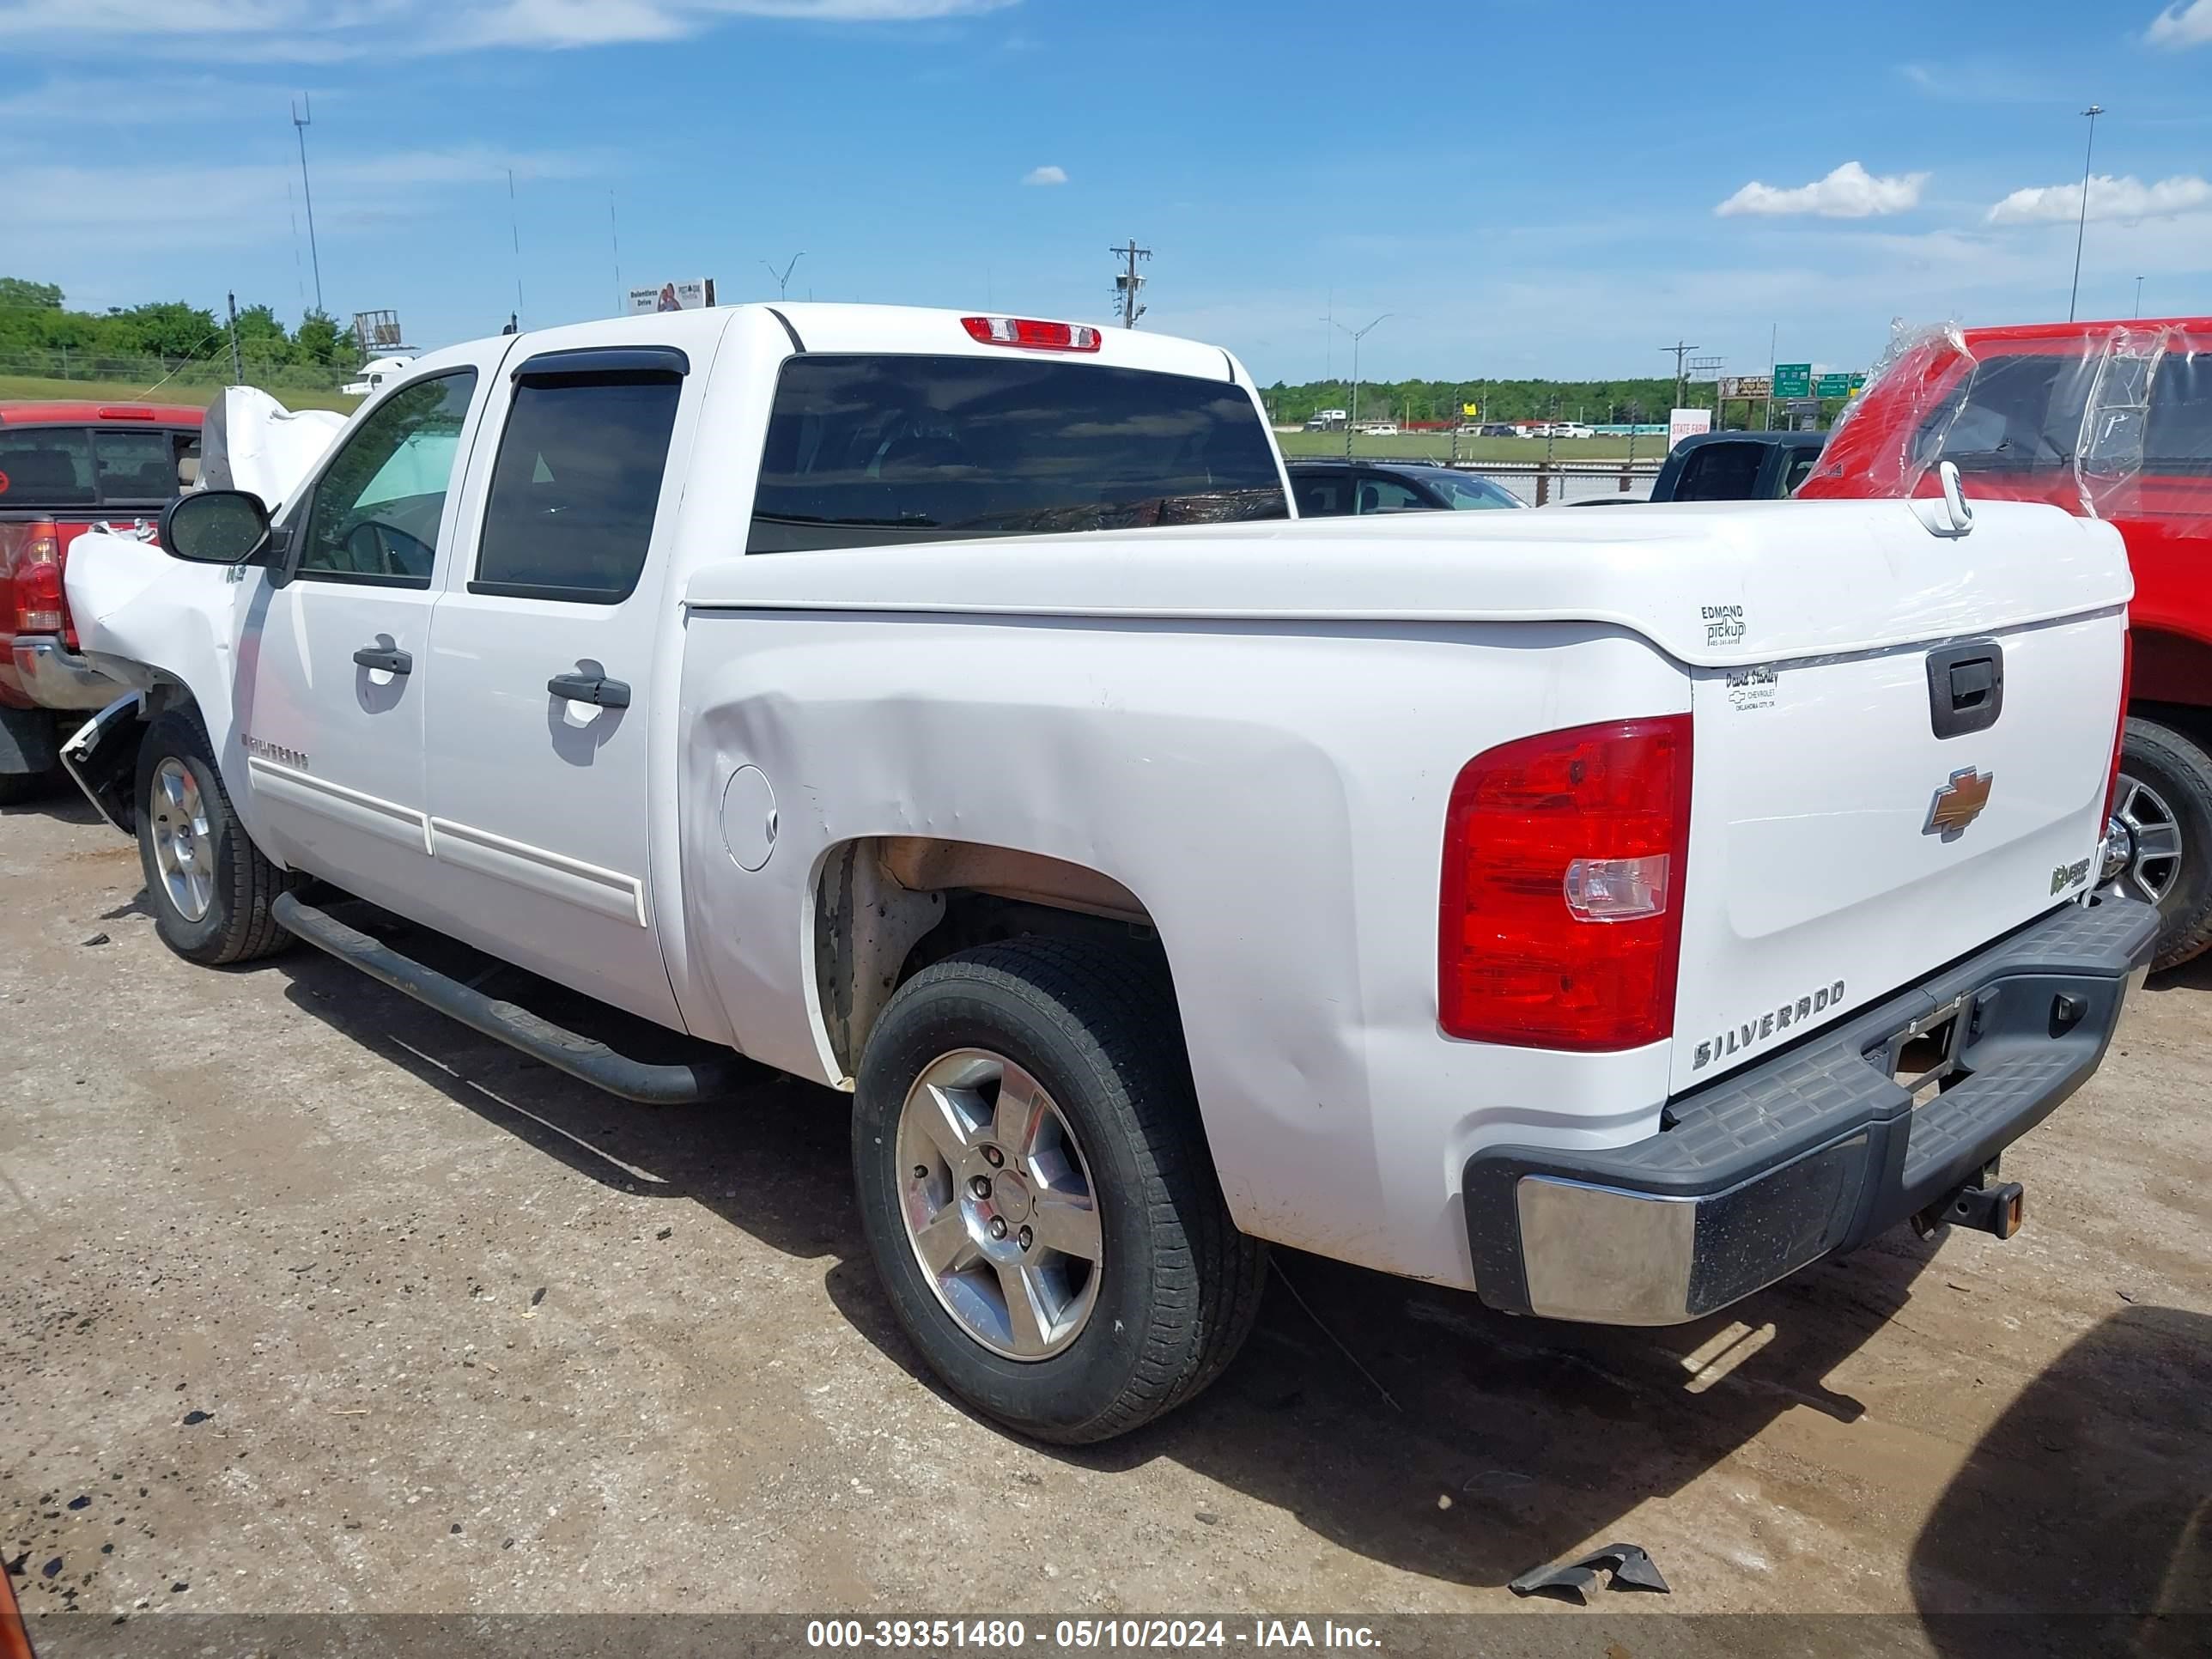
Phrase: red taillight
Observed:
(2120, 729)
(1038, 336)
(35, 583)
(1560, 920)
(124, 412)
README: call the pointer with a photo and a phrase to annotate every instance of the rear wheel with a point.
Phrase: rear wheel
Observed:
(210, 886)
(2164, 807)
(1036, 1188)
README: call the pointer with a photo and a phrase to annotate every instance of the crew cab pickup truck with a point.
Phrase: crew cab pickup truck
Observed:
(66, 468)
(1607, 913)
(2109, 418)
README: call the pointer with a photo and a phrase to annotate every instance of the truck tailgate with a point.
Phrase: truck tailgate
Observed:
(1840, 848)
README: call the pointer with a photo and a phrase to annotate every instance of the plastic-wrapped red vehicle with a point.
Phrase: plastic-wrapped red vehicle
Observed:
(2111, 420)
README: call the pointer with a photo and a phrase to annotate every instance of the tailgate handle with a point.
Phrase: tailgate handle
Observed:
(1965, 688)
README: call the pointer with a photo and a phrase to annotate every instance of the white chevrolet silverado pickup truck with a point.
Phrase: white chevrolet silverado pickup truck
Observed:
(1606, 914)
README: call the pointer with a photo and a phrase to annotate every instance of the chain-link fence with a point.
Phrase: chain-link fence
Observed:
(182, 379)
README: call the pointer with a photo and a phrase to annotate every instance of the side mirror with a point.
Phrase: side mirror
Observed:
(216, 526)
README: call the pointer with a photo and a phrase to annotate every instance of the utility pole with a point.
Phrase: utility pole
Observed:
(237, 374)
(1773, 345)
(2081, 227)
(1126, 283)
(1681, 351)
(2138, 296)
(303, 116)
(1358, 334)
(783, 277)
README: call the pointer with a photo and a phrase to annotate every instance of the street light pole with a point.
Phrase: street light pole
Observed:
(1358, 335)
(2138, 296)
(2082, 227)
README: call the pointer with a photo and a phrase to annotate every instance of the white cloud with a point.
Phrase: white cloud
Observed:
(1045, 176)
(2184, 24)
(1850, 192)
(316, 31)
(2109, 198)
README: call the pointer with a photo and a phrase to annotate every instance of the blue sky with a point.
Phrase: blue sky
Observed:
(1530, 188)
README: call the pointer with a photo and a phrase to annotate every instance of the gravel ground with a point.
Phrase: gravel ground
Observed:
(315, 1302)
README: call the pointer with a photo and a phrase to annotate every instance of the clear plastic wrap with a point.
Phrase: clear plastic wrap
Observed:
(2107, 420)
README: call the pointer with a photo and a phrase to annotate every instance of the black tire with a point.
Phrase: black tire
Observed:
(237, 925)
(2179, 774)
(1178, 1287)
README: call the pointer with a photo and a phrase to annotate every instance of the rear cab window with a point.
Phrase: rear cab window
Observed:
(866, 450)
(46, 467)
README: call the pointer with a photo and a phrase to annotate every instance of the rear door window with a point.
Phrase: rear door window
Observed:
(575, 488)
(1322, 497)
(2014, 415)
(868, 450)
(1380, 495)
(45, 467)
(1720, 472)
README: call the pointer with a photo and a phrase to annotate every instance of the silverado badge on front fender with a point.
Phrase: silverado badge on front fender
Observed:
(1958, 804)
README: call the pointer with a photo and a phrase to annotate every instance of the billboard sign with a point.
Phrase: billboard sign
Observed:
(672, 296)
(1747, 385)
(1687, 423)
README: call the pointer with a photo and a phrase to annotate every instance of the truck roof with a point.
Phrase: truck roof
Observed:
(2083, 330)
(34, 411)
(821, 327)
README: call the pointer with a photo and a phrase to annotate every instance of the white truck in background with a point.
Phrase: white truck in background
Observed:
(1608, 914)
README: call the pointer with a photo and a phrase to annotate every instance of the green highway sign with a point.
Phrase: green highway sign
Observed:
(1837, 385)
(1793, 380)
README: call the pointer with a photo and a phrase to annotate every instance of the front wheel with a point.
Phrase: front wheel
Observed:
(1035, 1187)
(211, 887)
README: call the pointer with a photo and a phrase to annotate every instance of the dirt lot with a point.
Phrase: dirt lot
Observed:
(312, 1301)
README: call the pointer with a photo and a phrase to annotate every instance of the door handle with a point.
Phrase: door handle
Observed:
(590, 688)
(389, 660)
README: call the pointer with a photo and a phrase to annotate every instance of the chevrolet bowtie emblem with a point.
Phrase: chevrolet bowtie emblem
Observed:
(1958, 804)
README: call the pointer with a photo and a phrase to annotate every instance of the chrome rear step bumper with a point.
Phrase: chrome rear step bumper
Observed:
(1815, 1149)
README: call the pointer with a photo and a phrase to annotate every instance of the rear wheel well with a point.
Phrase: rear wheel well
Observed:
(886, 907)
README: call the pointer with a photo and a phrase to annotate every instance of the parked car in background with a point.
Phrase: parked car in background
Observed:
(1572, 429)
(1737, 466)
(2056, 412)
(1380, 429)
(66, 468)
(1330, 490)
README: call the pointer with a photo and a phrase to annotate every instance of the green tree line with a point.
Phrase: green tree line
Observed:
(34, 318)
(1598, 402)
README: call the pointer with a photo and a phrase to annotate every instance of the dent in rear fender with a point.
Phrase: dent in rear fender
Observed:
(1275, 796)
(192, 625)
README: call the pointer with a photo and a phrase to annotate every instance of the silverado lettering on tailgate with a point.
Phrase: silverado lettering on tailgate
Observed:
(1737, 1039)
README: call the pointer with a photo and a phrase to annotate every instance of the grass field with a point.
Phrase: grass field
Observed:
(176, 391)
(1437, 446)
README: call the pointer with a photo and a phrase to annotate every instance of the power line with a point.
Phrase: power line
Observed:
(1126, 283)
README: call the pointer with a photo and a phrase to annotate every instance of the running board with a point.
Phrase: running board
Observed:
(564, 1050)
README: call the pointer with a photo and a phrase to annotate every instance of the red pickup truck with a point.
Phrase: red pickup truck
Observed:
(2113, 419)
(66, 468)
